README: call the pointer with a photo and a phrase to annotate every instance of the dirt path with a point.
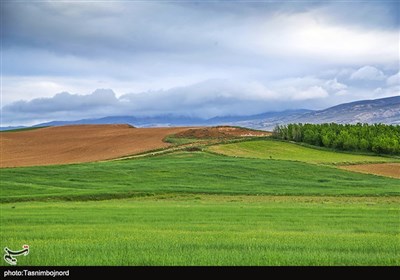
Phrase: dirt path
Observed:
(384, 169)
(79, 143)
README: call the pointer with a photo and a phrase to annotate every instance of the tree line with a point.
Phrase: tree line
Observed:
(377, 138)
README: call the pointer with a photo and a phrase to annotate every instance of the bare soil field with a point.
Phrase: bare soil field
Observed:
(383, 169)
(79, 143)
(221, 132)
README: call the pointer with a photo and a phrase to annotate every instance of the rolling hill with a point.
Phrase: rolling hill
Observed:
(78, 143)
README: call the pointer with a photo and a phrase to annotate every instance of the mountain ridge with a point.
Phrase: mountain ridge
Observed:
(382, 110)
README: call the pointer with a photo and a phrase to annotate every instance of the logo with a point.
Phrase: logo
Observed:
(9, 255)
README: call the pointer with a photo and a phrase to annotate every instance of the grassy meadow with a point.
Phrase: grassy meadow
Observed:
(187, 172)
(271, 149)
(206, 230)
(200, 208)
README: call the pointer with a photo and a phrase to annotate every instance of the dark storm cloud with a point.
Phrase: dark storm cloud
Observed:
(178, 31)
(64, 102)
(92, 30)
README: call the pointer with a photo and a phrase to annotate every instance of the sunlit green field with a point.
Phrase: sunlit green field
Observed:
(186, 172)
(206, 230)
(196, 208)
(269, 149)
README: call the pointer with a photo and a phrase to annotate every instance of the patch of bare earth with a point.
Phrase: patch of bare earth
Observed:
(383, 169)
(221, 132)
(79, 143)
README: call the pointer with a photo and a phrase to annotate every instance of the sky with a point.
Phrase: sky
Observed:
(69, 60)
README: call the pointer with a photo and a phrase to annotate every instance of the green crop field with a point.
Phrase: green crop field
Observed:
(206, 230)
(270, 149)
(197, 208)
(186, 172)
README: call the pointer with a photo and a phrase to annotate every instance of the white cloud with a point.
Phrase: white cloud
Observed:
(342, 93)
(210, 98)
(311, 93)
(334, 85)
(307, 87)
(393, 80)
(382, 92)
(345, 73)
(368, 73)
(304, 36)
(206, 99)
(65, 102)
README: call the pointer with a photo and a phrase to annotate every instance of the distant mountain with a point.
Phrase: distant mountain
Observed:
(263, 116)
(384, 110)
(171, 120)
(165, 120)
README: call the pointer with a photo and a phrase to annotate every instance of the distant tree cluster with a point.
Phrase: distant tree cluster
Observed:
(377, 138)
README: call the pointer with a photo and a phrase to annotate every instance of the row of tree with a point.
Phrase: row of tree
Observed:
(378, 138)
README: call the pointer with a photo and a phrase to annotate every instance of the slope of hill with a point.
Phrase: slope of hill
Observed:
(80, 143)
(85, 143)
(384, 110)
(277, 150)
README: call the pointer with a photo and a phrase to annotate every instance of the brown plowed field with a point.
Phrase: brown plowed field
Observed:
(384, 169)
(78, 143)
(221, 132)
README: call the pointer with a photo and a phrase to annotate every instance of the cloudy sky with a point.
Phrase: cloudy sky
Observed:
(65, 60)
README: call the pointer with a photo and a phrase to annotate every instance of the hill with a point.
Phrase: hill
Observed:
(79, 143)
(86, 143)
(271, 149)
(191, 173)
(384, 110)
(199, 209)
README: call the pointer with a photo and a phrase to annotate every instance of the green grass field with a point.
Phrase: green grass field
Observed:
(197, 208)
(186, 172)
(181, 141)
(206, 230)
(270, 149)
